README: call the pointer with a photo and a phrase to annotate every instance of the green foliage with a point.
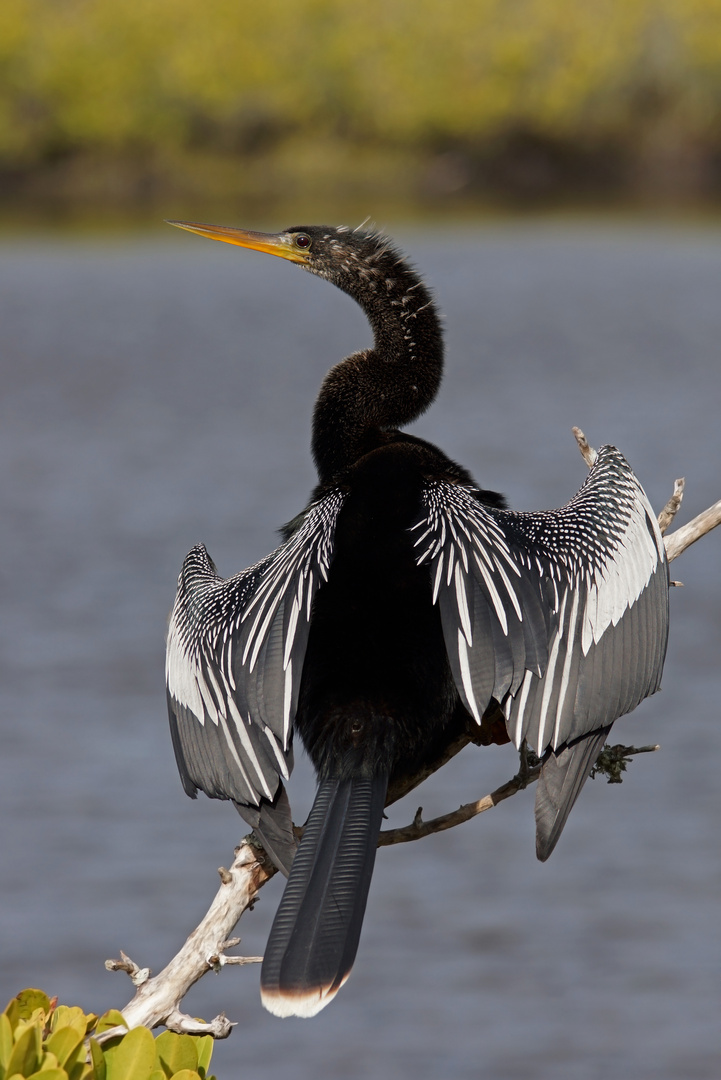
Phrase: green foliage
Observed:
(41, 1040)
(235, 76)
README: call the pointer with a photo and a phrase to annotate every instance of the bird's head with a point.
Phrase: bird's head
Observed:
(375, 390)
(353, 259)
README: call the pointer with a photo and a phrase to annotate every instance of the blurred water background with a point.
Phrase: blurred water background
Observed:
(157, 391)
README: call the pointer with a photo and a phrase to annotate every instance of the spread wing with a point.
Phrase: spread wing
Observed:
(234, 662)
(562, 617)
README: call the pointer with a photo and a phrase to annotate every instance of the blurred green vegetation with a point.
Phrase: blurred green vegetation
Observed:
(123, 99)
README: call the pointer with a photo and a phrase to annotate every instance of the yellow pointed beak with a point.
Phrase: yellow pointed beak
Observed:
(280, 244)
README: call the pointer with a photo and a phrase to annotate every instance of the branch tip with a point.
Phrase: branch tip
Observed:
(138, 975)
(588, 453)
(182, 1024)
(612, 760)
(688, 534)
(672, 506)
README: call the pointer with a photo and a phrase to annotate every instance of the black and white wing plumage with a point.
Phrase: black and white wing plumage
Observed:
(562, 616)
(233, 667)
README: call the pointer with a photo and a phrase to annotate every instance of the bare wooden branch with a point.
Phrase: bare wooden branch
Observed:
(158, 999)
(182, 1024)
(137, 974)
(589, 454)
(419, 828)
(672, 506)
(688, 534)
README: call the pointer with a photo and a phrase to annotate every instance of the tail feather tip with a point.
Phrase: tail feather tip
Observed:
(302, 1003)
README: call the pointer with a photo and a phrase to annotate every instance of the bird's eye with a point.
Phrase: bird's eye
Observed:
(302, 241)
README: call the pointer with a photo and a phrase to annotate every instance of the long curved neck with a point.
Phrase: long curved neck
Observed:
(389, 385)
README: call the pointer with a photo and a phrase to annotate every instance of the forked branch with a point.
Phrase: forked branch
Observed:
(157, 1000)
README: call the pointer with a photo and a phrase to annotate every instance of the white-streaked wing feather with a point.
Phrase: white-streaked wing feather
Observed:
(562, 617)
(234, 660)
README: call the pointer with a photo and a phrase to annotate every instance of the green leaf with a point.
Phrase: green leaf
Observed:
(157, 1074)
(176, 1052)
(112, 1018)
(49, 1074)
(27, 1052)
(132, 1057)
(81, 1070)
(65, 1043)
(30, 1000)
(6, 1042)
(186, 1074)
(204, 1045)
(98, 1059)
(66, 1016)
(24, 1005)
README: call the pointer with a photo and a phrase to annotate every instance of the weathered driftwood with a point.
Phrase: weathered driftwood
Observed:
(672, 506)
(157, 1000)
(688, 534)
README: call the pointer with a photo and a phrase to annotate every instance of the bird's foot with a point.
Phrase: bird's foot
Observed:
(528, 763)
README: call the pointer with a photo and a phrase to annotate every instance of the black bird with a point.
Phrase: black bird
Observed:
(403, 599)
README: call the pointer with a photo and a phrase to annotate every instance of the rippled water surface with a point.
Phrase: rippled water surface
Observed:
(158, 392)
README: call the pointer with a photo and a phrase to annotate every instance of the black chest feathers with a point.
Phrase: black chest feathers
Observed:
(376, 681)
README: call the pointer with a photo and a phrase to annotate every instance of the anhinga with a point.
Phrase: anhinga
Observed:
(402, 596)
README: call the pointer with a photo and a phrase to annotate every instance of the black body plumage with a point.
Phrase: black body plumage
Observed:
(403, 602)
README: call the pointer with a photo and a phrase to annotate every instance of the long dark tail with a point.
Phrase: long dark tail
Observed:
(314, 938)
(559, 785)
